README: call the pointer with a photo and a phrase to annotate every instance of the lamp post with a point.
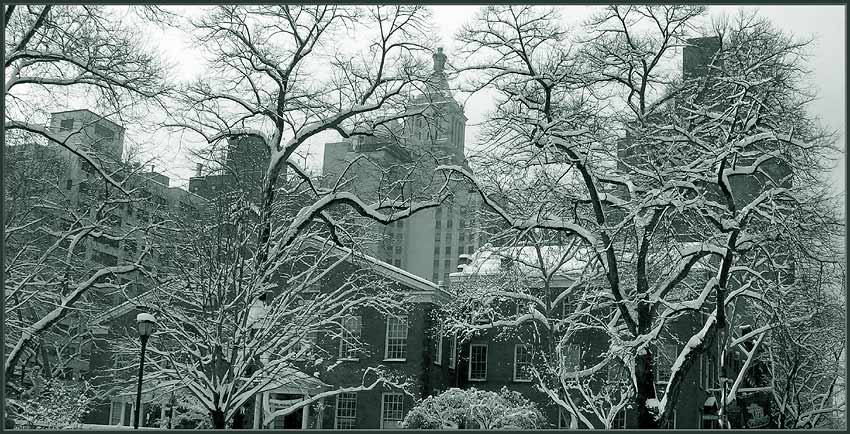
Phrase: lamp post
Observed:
(147, 325)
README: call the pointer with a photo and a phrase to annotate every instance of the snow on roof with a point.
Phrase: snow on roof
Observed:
(385, 269)
(494, 260)
(291, 380)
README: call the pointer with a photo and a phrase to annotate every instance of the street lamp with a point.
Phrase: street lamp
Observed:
(147, 325)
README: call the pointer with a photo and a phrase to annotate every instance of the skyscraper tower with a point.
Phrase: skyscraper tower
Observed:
(427, 244)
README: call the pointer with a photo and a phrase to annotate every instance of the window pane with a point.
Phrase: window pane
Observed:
(115, 415)
(438, 353)
(666, 356)
(478, 362)
(396, 346)
(572, 358)
(346, 411)
(350, 337)
(453, 352)
(522, 362)
(392, 411)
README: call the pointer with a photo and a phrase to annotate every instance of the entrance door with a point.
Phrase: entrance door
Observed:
(292, 420)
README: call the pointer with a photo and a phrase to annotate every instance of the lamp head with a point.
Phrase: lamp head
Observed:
(147, 324)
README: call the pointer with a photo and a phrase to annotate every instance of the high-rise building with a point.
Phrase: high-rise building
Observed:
(398, 161)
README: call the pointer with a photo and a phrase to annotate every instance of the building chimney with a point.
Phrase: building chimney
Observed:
(153, 167)
(198, 170)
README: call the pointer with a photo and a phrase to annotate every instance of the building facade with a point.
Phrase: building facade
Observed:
(398, 162)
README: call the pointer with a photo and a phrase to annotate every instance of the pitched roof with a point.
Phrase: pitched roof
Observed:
(490, 260)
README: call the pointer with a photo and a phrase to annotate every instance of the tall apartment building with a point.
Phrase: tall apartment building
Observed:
(401, 160)
(76, 194)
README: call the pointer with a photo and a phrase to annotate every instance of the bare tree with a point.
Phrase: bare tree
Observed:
(282, 79)
(54, 277)
(53, 52)
(83, 52)
(227, 341)
(700, 213)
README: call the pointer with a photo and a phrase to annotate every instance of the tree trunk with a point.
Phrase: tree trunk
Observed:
(218, 419)
(645, 390)
(240, 419)
(645, 372)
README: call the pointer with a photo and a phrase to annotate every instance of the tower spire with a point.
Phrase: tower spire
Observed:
(439, 61)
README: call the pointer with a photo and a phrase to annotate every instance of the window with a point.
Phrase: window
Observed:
(396, 344)
(392, 410)
(666, 356)
(619, 421)
(448, 250)
(708, 372)
(617, 373)
(568, 306)
(346, 411)
(349, 338)
(453, 352)
(671, 422)
(115, 412)
(478, 362)
(66, 124)
(438, 354)
(121, 413)
(522, 362)
(69, 183)
(572, 358)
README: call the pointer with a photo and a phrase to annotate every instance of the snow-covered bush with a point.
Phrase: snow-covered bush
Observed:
(478, 409)
(53, 404)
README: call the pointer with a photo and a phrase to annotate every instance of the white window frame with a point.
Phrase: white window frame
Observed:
(516, 363)
(438, 355)
(403, 319)
(383, 409)
(351, 338)
(453, 353)
(469, 373)
(337, 416)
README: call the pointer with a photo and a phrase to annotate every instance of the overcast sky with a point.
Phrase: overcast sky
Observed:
(825, 23)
